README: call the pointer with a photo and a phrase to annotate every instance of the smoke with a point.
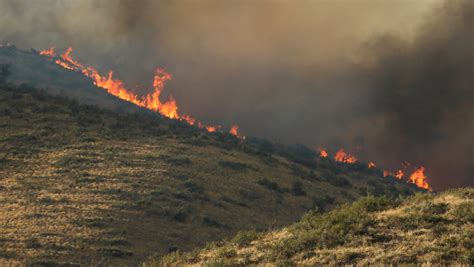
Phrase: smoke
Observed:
(389, 81)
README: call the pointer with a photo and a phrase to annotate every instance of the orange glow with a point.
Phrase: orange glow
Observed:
(399, 174)
(234, 130)
(372, 165)
(419, 178)
(386, 173)
(116, 87)
(48, 52)
(342, 156)
(323, 153)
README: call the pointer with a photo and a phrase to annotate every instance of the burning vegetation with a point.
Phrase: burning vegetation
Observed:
(116, 87)
(417, 176)
(170, 110)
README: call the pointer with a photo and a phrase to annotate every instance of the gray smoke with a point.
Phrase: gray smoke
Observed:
(389, 81)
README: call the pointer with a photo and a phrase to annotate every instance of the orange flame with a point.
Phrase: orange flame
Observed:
(48, 52)
(211, 129)
(234, 130)
(323, 153)
(399, 174)
(386, 173)
(342, 156)
(419, 178)
(372, 165)
(116, 87)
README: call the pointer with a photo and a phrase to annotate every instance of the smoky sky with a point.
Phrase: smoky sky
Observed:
(388, 80)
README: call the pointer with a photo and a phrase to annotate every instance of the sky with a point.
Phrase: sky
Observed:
(389, 81)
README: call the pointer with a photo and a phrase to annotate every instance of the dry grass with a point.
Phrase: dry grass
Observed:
(88, 186)
(444, 235)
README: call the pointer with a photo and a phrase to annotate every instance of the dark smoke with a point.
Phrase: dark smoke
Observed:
(387, 80)
(426, 89)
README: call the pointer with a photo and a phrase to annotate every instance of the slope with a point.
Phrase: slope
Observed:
(423, 229)
(86, 185)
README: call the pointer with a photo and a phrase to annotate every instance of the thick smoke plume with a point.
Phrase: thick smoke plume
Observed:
(388, 80)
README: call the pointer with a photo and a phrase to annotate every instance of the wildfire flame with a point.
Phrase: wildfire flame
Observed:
(116, 87)
(399, 174)
(234, 130)
(169, 108)
(323, 153)
(419, 178)
(48, 52)
(342, 156)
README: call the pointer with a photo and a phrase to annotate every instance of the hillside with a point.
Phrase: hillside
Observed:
(85, 185)
(425, 228)
(29, 68)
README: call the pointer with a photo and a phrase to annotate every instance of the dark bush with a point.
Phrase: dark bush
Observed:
(211, 222)
(297, 189)
(339, 181)
(237, 166)
(271, 185)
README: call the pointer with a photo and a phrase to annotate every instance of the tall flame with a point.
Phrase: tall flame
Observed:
(342, 156)
(116, 87)
(419, 178)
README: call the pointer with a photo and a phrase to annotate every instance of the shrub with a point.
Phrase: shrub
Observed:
(271, 185)
(244, 238)
(115, 252)
(249, 194)
(339, 181)
(193, 186)
(211, 222)
(464, 212)
(297, 189)
(237, 166)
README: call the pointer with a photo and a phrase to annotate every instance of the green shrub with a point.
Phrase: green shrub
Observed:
(244, 238)
(464, 212)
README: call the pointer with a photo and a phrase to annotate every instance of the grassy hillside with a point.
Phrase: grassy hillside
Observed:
(425, 228)
(83, 185)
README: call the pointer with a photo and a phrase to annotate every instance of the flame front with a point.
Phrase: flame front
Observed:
(116, 87)
(170, 109)
(342, 156)
(418, 177)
